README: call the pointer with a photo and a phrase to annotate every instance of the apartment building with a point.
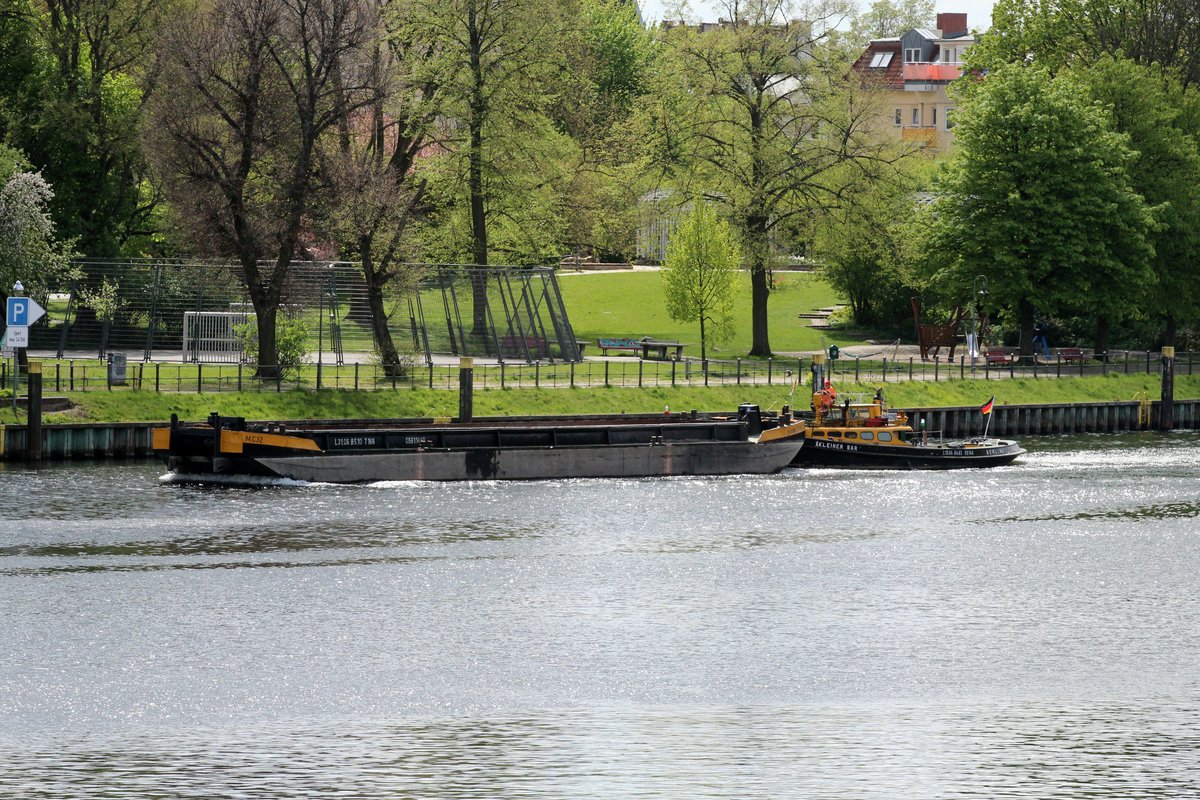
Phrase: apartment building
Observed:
(912, 71)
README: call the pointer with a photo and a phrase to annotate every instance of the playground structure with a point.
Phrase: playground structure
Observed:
(195, 312)
(932, 338)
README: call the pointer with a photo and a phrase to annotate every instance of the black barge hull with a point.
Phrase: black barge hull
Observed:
(457, 452)
(614, 461)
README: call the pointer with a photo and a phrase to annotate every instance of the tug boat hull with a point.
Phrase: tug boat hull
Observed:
(952, 455)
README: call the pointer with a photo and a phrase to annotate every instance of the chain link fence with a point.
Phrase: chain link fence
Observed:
(200, 312)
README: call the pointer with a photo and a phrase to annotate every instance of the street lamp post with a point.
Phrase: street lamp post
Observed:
(978, 292)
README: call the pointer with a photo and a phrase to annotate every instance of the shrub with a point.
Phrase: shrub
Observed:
(291, 342)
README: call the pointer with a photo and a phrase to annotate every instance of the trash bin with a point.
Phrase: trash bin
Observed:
(116, 369)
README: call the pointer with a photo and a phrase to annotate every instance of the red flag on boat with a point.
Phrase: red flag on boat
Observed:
(986, 408)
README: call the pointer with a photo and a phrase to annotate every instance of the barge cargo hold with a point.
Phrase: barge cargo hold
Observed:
(484, 450)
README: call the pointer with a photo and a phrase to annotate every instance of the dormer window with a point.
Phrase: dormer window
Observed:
(912, 55)
(881, 60)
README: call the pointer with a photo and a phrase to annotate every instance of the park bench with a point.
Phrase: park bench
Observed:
(1071, 353)
(534, 345)
(997, 356)
(606, 344)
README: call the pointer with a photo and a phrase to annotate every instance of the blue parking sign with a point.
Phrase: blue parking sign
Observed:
(23, 311)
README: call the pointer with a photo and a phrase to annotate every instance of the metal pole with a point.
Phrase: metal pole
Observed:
(320, 334)
(466, 388)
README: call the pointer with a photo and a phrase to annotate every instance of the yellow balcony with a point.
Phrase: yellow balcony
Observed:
(925, 136)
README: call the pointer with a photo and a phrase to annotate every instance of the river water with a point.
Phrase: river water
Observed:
(1030, 631)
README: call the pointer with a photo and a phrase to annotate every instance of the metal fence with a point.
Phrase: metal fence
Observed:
(192, 312)
(81, 375)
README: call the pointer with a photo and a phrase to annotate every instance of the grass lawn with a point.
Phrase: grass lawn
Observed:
(631, 304)
(136, 406)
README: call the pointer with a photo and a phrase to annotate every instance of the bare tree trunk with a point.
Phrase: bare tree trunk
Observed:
(760, 344)
(478, 113)
(266, 308)
(375, 279)
(1171, 332)
(1025, 317)
(1103, 329)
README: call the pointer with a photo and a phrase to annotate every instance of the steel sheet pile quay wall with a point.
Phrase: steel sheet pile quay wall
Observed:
(1059, 418)
(129, 440)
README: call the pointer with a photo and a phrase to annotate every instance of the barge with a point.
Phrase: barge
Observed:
(367, 451)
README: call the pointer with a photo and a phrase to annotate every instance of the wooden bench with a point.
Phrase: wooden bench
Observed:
(631, 345)
(534, 345)
(997, 356)
(1071, 353)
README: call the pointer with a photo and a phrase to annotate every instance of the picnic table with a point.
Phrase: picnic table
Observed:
(661, 348)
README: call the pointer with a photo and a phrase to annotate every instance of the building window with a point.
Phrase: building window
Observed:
(881, 60)
(898, 122)
(933, 117)
(916, 116)
(949, 117)
(912, 55)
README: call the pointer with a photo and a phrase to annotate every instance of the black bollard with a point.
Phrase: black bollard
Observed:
(466, 389)
(33, 448)
(1166, 408)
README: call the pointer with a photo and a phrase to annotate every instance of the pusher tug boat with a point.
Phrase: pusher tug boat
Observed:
(497, 449)
(869, 436)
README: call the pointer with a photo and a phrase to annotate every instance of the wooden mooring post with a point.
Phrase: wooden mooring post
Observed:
(33, 448)
(1166, 408)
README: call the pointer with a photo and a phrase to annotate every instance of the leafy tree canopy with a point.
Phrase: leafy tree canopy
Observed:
(700, 274)
(1038, 198)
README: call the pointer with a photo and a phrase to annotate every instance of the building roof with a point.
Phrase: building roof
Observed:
(879, 69)
(886, 72)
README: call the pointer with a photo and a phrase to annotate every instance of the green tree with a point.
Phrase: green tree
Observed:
(80, 87)
(700, 274)
(1037, 197)
(768, 115)
(1165, 170)
(29, 248)
(891, 18)
(495, 64)
(861, 245)
(1139, 64)
(376, 196)
(611, 59)
(255, 85)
